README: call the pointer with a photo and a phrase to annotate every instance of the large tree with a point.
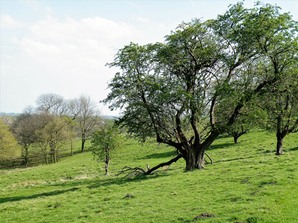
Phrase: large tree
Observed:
(174, 90)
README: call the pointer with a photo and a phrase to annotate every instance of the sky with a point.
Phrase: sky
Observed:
(63, 46)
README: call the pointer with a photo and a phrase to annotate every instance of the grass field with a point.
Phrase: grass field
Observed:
(246, 183)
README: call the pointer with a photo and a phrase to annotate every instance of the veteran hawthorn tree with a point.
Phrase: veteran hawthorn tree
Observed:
(174, 90)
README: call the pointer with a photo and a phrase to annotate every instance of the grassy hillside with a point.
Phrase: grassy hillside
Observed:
(246, 183)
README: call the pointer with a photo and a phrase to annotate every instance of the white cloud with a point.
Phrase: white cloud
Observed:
(8, 22)
(66, 57)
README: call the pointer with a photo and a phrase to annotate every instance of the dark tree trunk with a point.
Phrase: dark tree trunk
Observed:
(191, 160)
(194, 158)
(107, 167)
(280, 134)
(235, 139)
(107, 161)
(279, 138)
(83, 144)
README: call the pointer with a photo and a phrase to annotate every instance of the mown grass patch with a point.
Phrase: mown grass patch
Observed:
(245, 183)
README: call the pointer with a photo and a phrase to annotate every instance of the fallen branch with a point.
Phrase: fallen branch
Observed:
(149, 171)
(132, 171)
(138, 171)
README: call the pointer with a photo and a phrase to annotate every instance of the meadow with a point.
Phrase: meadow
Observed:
(246, 183)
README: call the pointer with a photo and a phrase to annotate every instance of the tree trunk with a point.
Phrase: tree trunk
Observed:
(280, 134)
(46, 159)
(83, 144)
(107, 161)
(194, 159)
(235, 139)
(279, 143)
(191, 160)
(201, 159)
(107, 167)
(71, 147)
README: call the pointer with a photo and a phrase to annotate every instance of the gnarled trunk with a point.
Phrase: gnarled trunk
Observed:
(191, 160)
(194, 158)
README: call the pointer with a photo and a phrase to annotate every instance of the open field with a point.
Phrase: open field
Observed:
(246, 183)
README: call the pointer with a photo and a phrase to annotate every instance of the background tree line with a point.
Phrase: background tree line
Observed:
(54, 123)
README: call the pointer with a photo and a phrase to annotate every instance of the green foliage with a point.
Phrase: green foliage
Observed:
(9, 148)
(53, 136)
(103, 141)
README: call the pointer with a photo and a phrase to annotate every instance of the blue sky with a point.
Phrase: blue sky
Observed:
(62, 46)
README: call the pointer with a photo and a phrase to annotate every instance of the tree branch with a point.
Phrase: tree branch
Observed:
(164, 164)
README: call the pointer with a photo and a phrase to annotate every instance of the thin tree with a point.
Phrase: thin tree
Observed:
(87, 118)
(103, 141)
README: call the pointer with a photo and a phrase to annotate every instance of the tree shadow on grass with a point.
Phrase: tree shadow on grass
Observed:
(96, 183)
(236, 159)
(293, 149)
(123, 180)
(160, 155)
(220, 146)
(45, 194)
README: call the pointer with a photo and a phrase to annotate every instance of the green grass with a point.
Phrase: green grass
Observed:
(246, 183)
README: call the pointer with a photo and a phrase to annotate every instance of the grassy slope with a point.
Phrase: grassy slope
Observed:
(246, 183)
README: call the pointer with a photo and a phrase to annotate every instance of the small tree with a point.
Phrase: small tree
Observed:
(103, 141)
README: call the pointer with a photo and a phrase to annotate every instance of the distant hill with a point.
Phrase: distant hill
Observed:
(8, 114)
